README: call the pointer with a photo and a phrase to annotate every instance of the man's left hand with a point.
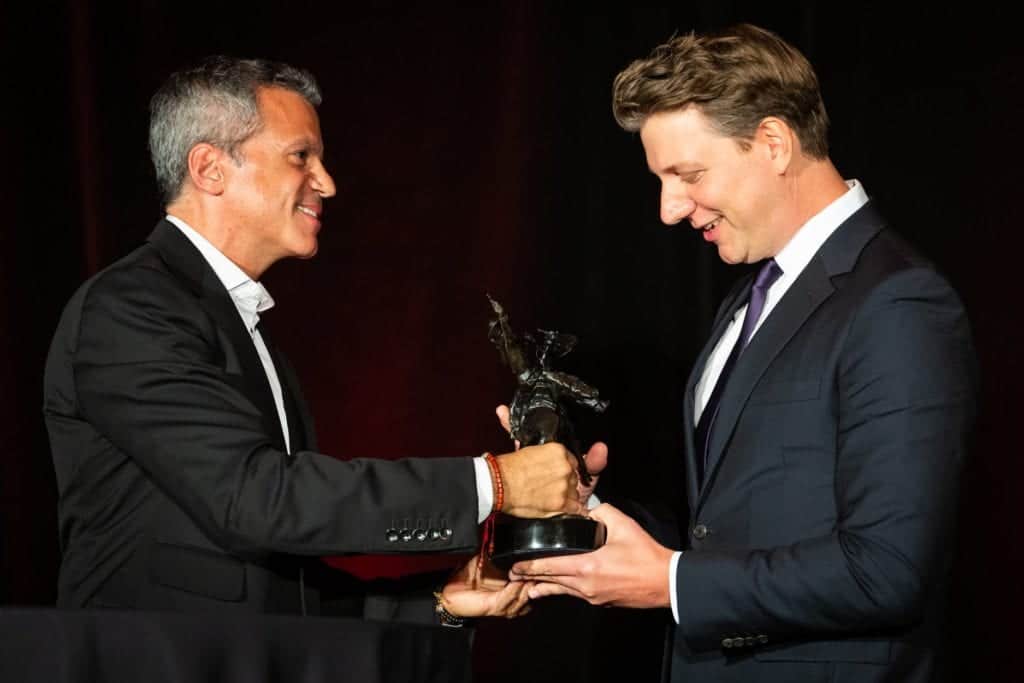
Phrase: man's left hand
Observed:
(480, 590)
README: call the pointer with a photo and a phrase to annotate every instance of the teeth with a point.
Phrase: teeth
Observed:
(308, 211)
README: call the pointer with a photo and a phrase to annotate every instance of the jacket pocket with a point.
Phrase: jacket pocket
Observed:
(856, 651)
(788, 391)
(197, 570)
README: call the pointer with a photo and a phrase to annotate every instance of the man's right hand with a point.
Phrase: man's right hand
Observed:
(596, 458)
(539, 481)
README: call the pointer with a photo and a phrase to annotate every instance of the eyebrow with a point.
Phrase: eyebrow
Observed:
(306, 143)
(682, 168)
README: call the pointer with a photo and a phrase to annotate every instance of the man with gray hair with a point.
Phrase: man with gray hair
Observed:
(185, 456)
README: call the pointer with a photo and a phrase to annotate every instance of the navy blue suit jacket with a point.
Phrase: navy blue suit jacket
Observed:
(820, 543)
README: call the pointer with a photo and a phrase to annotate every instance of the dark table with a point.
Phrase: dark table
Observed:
(95, 646)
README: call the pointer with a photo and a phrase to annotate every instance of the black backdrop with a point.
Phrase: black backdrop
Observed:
(474, 151)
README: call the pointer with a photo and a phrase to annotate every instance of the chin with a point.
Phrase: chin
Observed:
(306, 251)
(728, 258)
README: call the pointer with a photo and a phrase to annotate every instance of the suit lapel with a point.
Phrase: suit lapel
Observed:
(728, 309)
(241, 357)
(803, 297)
(814, 286)
(298, 419)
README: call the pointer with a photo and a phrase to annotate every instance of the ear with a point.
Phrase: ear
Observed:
(779, 141)
(206, 168)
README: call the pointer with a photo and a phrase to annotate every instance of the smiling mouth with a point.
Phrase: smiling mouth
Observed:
(709, 226)
(309, 212)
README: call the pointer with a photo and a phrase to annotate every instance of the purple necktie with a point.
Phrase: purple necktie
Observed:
(768, 274)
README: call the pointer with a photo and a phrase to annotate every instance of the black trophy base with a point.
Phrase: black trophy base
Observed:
(517, 539)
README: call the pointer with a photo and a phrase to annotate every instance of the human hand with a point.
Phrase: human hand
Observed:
(478, 589)
(505, 418)
(629, 570)
(539, 481)
(596, 459)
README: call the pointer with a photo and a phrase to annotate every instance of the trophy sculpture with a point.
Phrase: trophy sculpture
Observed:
(538, 415)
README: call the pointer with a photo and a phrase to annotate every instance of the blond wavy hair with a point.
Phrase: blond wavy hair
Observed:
(735, 77)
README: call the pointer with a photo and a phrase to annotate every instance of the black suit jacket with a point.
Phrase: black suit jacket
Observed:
(176, 491)
(820, 543)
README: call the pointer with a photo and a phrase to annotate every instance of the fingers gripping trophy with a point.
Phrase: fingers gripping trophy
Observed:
(539, 415)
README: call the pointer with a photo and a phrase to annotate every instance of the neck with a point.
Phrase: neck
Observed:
(218, 232)
(810, 186)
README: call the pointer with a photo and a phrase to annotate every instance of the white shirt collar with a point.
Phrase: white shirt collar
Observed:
(795, 256)
(250, 297)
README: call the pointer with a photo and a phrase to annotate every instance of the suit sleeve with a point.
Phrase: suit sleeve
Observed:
(905, 381)
(149, 375)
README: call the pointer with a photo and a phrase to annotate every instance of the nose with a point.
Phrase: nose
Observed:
(675, 205)
(321, 181)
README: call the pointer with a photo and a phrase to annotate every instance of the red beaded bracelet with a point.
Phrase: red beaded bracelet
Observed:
(499, 485)
(487, 541)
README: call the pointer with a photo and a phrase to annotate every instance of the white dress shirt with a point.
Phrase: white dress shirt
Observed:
(250, 299)
(792, 259)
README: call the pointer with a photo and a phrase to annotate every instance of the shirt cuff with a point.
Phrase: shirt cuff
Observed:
(484, 489)
(672, 565)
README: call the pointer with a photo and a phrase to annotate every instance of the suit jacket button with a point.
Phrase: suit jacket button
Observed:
(700, 531)
(435, 534)
(726, 642)
(420, 534)
(405, 535)
(446, 533)
(762, 639)
(750, 640)
(391, 535)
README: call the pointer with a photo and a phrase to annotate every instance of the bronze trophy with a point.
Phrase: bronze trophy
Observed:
(538, 415)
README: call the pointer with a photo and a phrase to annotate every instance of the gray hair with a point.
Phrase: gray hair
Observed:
(214, 102)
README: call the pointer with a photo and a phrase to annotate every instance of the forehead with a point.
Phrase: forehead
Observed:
(680, 138)
(287, 114)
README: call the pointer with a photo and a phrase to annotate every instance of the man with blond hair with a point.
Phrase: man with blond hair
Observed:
(827, 416)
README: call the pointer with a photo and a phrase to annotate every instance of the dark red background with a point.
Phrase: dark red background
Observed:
(474, 151)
